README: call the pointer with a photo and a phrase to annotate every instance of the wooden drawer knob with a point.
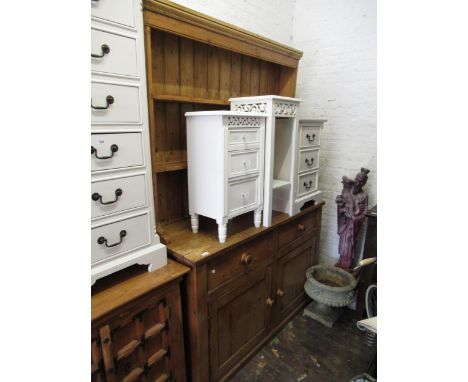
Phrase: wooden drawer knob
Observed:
(301, 227)
(246, 259)
(270, 302)
(280, 292)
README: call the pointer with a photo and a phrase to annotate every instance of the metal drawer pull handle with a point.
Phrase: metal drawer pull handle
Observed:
(301, 227)
(280, 292)
(309, 137)
(102, 240)
(114, 148)
(270, 302)
(309, 162)
(96, 196)
(307, 186)
(109, 101)
(104, 50)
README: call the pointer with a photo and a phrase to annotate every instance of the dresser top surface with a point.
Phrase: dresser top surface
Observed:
(196, 248)
(228, 113)
(264, 98)
(124, 286)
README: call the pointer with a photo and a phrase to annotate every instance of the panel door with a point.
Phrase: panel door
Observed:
(292, 266)
(239, 319)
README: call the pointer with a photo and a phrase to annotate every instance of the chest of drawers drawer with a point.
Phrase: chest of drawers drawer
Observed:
(113, 103)
(309, 135)
(113, 151)
(118, 237)
(243, 162)
(116, 195)
(308, 160)
(294, 233)
(248, 257)
(307, 183)
(113, 53)
(241, 139)
(242, 194)
(121, 12)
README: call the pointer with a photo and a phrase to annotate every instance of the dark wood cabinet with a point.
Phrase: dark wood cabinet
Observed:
(241, 293)
(136, 329)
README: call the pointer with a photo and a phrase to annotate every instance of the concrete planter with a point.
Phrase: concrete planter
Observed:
(329, 287)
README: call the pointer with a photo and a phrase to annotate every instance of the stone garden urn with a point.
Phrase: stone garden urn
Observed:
(331, 288)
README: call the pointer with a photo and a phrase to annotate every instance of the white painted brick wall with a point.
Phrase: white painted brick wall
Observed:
(271, 19)
(337, 80)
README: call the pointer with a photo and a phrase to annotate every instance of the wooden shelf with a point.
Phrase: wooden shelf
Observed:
(277, 183)
(169, 166)
(176, 98)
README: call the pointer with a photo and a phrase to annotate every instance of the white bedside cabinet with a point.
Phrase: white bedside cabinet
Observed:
(225, 155)
(307, 157)
(123, 227)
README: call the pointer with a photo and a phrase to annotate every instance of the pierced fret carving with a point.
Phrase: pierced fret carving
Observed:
(243, 121)
(259, 107)
(288, 109)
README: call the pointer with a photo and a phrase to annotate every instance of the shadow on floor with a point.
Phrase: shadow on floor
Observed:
(306, 351)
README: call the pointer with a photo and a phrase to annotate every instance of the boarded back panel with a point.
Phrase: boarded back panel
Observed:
(171, 64)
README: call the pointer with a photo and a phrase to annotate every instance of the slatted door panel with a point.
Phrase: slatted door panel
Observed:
(134, 347)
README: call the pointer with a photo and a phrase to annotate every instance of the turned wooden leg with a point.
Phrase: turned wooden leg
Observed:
(222, 232)
(194, 222)
(257, 217)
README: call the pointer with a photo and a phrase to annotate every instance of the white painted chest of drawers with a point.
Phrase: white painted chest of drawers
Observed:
(225, 154)
(307, 156)
(123, 227)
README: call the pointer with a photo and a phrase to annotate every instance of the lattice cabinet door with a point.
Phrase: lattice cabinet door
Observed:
(138, 343)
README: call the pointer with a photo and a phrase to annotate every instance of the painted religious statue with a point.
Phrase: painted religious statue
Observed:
(351, 210)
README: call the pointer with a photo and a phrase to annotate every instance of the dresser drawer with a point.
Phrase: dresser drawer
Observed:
(118, 237)
(310, 135)
(121, 11)
(242, 194)
(296, 232)
(308, 160)
(116, 195)
(254, 255)
(243, 138)
(118, 53)
(307, 183)
(243, 162)
(112, 103)
(112, 151)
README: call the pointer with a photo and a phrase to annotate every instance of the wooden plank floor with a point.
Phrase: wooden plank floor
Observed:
(306, 351)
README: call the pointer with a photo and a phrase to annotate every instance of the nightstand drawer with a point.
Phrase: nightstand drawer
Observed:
(243, 138)
(310, 135)
(112, 151)
(308, 160)
(112, 103)
(254, 255)
(113, 53)
(118, 237)
(243, 162)
(307, 183)
(116, 195)
(121, 11)
(242, 194)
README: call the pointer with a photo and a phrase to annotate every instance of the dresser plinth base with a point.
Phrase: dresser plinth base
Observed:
(154, 256)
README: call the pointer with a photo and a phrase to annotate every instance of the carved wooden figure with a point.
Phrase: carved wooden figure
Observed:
(351, 210)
